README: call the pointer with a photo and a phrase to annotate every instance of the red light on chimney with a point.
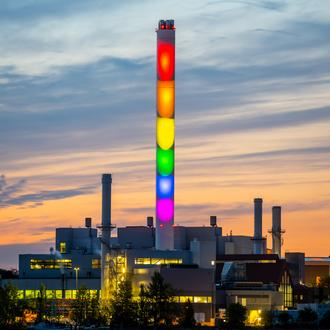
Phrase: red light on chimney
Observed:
(165, 61)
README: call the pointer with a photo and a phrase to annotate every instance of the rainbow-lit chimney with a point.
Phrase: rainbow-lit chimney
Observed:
(165, 133)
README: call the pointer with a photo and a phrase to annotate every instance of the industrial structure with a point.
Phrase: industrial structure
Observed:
(206, 267)
(165, 134)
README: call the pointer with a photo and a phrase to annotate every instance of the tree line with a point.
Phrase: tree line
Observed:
(155, 306)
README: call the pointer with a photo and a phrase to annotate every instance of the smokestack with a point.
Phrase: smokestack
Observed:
(213, 220)
(88, 222)
(257, 238)
(276, 230)
(106, 221)
(165, 135)
(150, 222)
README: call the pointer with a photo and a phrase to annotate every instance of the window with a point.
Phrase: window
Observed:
(50, 263)
(156, 261)
(286, 289)
(62, 247)
(70, 294)
(96, 263)
(20, 294)
(193, 299)
(30, 294)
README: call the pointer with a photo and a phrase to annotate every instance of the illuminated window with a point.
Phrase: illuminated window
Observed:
(62, 247)
(20, 294)
(156, 261)
(202, 300)
(96, 263)
(50, 294)
(58, 294)
(70, 294)
(50, 263)
(194, 299)
(286, 288)
(30, 294)
(254, 317)
(93, 293)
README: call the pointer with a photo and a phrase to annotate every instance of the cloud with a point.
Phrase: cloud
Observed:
(11, 195)
(264, 121)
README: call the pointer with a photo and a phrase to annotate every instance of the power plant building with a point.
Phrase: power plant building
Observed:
(206, 267)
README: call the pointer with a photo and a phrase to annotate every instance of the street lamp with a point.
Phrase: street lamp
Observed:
(76, 269)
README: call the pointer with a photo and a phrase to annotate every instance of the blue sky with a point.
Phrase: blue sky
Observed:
(77, 98)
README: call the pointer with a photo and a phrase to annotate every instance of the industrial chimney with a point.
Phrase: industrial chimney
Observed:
(150, 222)
(106, 221)
(165, 135)
(257, 238)
(276, 230)
(213, 220)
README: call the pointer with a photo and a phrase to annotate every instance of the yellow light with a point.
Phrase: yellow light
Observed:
(165, 133)
(165, 98)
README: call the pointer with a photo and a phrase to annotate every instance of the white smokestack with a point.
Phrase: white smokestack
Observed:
(276, 230)
(258, 241)
(106, 221)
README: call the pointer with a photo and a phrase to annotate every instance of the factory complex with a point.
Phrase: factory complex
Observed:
(209, 269)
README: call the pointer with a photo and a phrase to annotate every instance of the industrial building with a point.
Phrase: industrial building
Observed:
(204, 266)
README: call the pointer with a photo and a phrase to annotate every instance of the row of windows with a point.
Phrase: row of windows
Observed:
(156, 261)
(71, 294)
(58, 263)
(52, 294)
(193, 299)
(50, 263)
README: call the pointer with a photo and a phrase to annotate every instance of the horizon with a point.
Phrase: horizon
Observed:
(78, 83)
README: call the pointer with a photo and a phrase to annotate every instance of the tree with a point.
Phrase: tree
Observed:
(143, 311)
(267, 318)
(41, 303)
(284, 319)
(187, 320)
(123, 308)
(85, 308)
(10, 306)
(163, 309)
(236, 316)
(325, 282)
(325, 321)
(307, 317)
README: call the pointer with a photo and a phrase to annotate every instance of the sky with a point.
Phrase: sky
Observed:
(77, 99)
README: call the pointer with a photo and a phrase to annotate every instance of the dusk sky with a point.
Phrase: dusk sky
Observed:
(77, 99)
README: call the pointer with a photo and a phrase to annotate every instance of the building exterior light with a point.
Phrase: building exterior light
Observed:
(76, 269)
